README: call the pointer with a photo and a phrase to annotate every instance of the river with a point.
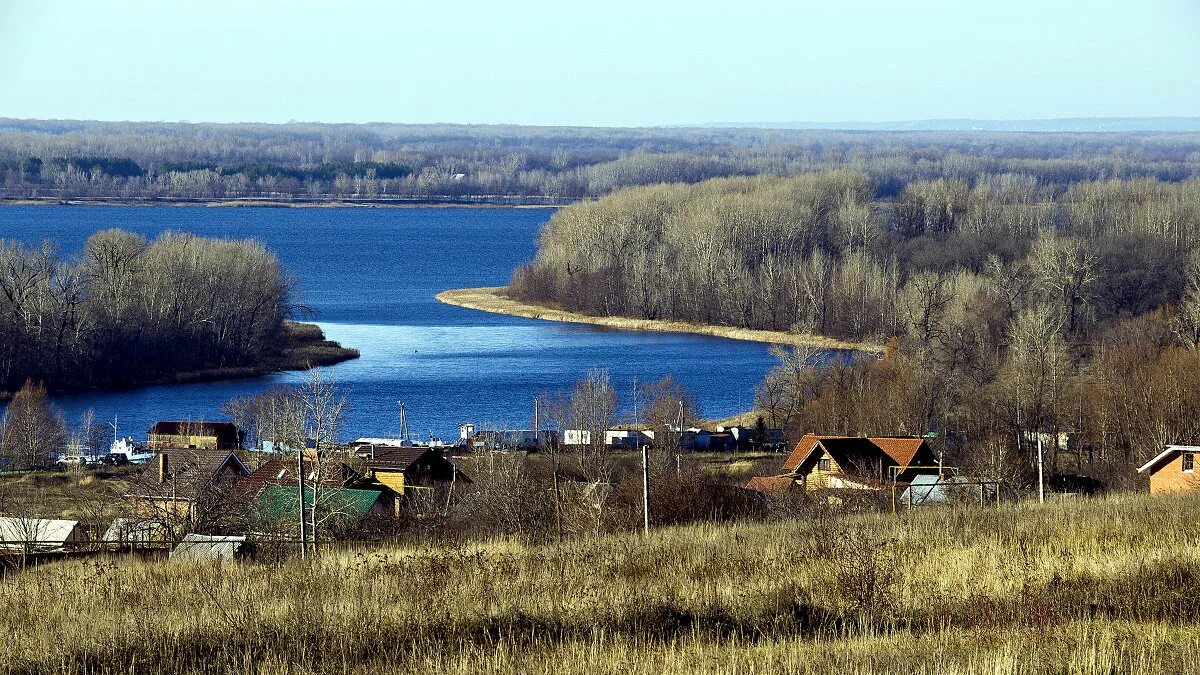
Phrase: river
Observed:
(371, 275)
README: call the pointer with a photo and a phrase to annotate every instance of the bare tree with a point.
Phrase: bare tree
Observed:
(33, 430)
(593, 409)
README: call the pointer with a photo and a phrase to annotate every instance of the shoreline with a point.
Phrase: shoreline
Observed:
(495, 299)
(506, 202)
(305, 346)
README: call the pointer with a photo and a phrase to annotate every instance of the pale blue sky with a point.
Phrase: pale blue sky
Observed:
(601, 63)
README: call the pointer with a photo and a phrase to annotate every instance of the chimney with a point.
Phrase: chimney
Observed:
(162, 467)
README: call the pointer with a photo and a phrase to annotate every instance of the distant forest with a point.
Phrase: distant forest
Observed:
(128, 310)
(1011, 306)
(120, 160)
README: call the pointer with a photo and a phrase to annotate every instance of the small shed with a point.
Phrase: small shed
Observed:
(130, 532)
(39, 534)
(208, 548)
(929, 489)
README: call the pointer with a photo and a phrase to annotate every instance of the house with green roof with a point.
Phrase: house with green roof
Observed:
(337, 507)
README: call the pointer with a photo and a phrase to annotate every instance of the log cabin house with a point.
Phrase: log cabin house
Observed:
(851, 462)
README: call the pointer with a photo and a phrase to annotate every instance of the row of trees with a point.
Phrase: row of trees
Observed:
(817, 252)
(128, 310)
(208, 161)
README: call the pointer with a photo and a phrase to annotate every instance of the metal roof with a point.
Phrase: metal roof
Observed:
(931, 489)
(207, 548)
(40, 532)
(278, 502)
(130, 531)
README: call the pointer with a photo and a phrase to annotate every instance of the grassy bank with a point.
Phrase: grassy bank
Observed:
(495, 299)
(1095, 586)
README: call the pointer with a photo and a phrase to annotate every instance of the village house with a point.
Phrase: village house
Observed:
(576, 437)
(186, 489)
(404, 469)
(194, 435)
(336, 483)
(1173, 469)
(390, 473)
(850, 462)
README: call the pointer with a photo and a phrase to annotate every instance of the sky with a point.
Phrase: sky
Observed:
(606, 63)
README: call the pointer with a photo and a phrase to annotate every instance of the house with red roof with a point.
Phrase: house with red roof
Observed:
(851, 462)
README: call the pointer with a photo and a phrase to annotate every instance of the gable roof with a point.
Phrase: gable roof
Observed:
(900, 448)
(281, 471)
(803, 447)
(201, 461)
(190, 471)
(1167, 452)
(38, 532)
(849, 451)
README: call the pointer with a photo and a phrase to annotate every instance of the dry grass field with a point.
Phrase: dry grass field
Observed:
(495, 299)
(1089, 587)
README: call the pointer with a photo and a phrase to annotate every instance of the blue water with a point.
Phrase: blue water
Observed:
(371, 276)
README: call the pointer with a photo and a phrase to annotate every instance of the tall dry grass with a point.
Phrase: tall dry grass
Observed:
(1097, 586)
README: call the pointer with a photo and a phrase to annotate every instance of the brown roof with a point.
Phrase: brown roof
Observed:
(771, 485)
(190, 470)
(201, 462)
(903, 450)
(855, 454)
(391, 458)
(282, 471)
(803, 447)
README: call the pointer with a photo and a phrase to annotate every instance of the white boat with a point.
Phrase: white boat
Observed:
(125, 449)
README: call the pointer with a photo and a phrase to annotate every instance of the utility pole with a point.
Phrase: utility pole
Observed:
(645, 450)
(645, 490)
(1041, 474)
(679, 443)
(537, 441)
(300, 489)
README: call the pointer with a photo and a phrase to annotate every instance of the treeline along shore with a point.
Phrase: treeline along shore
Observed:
(388, 163)
(127, 312)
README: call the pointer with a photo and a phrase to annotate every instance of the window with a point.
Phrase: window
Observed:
(823, 464)
(1188, 460)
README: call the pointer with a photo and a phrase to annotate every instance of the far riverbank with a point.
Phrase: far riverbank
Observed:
(495, 299)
